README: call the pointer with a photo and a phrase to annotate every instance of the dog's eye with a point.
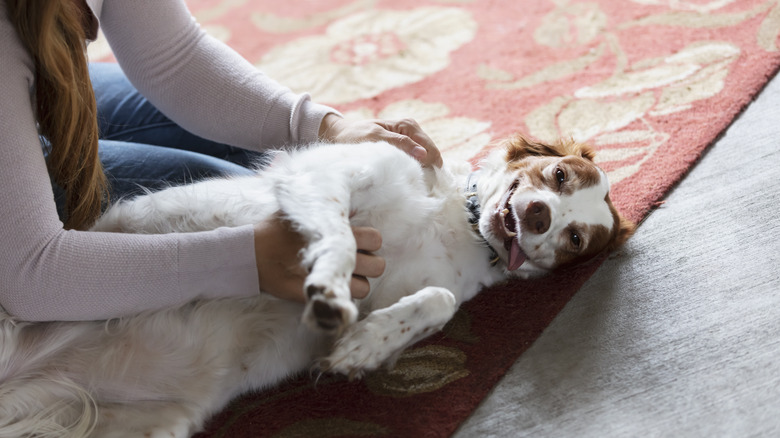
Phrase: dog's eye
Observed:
(560, 175)
(575, 239)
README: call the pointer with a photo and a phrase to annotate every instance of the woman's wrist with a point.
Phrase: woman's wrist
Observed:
(326, 126)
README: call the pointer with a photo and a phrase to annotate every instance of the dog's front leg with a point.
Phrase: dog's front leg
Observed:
(319, 210)
(382, 336)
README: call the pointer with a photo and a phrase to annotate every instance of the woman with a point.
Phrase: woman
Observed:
(212, 100)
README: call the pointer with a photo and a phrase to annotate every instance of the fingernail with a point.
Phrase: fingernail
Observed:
(419, 152)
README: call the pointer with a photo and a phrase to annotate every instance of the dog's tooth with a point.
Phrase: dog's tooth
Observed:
(511, 233)
(505, 211)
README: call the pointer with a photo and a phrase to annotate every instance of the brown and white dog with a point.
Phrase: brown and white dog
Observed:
(447, 233)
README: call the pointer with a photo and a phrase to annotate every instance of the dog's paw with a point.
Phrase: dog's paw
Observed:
(355, 354)
(327, 312)
(368, 345)
(380, 337)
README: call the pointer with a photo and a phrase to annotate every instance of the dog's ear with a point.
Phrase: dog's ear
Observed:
(579, 149)
(625, 229)
(518, 147)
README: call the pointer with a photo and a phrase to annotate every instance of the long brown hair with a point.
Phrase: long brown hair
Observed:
(53, 32)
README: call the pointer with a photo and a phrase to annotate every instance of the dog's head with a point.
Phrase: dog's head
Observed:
(547, 206)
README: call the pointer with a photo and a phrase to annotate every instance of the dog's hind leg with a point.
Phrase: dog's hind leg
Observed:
(382, 336)
(319, 210)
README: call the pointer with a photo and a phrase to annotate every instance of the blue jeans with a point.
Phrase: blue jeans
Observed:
(141, 149)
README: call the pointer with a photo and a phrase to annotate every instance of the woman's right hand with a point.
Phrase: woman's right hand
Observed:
(277, 253)
(405, 134)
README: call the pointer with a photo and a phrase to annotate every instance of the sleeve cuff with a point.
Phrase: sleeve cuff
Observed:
(305, 119)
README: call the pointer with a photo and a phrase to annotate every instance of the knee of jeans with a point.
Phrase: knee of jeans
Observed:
(130, 166)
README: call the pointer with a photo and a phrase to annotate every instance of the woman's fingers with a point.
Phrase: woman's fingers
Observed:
(413, 140)
(366, 263)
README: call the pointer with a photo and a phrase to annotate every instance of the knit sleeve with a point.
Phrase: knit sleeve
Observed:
(201, 83)
(48, 273)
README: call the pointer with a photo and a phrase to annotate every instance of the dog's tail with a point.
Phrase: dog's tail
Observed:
(52, 408)
(35, 400)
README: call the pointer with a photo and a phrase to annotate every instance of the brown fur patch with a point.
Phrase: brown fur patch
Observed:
(597, 237)
(519, 147)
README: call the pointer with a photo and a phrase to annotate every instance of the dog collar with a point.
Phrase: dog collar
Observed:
(472, 205)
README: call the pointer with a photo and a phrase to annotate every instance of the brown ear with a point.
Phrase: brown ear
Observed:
(583, 150)
(625, 229)
(519, 147)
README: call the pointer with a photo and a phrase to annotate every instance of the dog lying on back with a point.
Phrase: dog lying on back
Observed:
(447, 233)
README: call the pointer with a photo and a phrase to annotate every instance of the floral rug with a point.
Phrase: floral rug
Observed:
(649, 83)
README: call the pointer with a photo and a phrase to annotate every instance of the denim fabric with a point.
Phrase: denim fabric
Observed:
(141, 149)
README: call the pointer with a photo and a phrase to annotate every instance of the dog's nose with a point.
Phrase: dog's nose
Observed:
(537, 217)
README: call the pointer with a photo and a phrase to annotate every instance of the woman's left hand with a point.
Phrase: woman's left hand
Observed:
(404, 134)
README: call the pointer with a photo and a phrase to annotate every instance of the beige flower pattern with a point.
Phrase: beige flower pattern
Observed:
(686, 5)
(601, 113)
(369, 52)
(458, 138)
(616, 114)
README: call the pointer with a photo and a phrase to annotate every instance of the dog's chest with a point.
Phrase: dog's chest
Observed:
(427, 239)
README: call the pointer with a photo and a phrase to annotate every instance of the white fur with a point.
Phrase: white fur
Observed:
(164, 373)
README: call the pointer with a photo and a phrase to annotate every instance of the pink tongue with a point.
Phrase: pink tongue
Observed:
(516, 256)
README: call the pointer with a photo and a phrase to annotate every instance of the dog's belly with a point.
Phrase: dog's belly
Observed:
(462, 268)
(206, 351)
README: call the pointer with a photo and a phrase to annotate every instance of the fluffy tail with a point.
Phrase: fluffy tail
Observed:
(43, 409)
(35, 401)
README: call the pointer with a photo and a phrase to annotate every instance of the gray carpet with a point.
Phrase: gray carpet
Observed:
(679, 334)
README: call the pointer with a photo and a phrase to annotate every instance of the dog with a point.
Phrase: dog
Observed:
(447, 233)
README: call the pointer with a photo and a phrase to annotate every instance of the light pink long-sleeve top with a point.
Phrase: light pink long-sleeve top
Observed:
(48, 273)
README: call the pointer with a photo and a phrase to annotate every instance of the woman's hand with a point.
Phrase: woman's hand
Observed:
(277, 248)
(404, 134)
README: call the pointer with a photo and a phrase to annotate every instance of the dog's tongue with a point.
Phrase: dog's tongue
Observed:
(516, 255)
